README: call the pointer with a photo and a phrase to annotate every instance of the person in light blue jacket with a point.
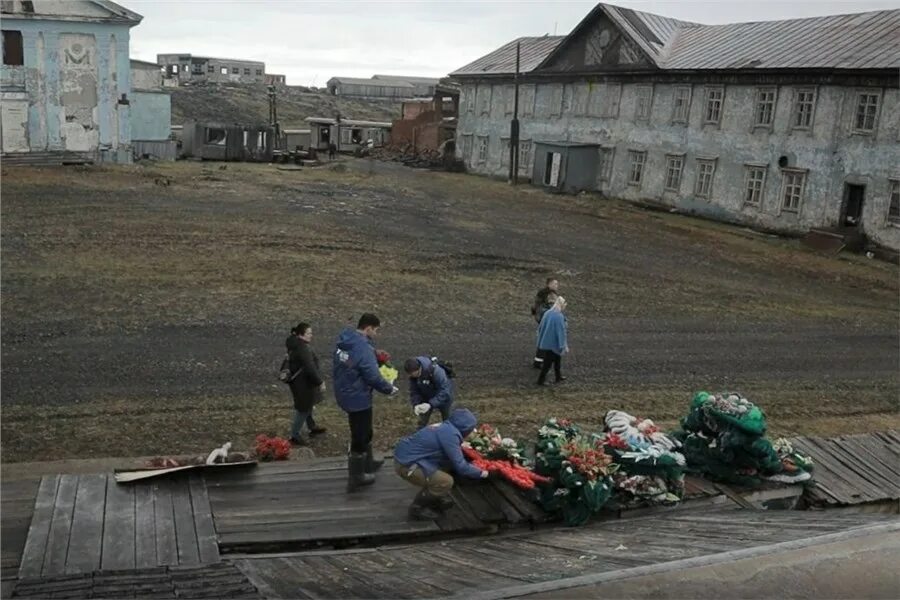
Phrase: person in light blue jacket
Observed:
(552, 342)
(430, 388)
(425, 458)
(355, 374)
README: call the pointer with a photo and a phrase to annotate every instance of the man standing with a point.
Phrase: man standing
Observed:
(429, 388)
(355, 375)
(419, 459)
(552, 341)
(542, 303)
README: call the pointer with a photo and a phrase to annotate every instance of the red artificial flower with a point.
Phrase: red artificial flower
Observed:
(513, 473)
(383, 357)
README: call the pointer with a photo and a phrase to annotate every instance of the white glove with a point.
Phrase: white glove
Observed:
(394, 391)
(421, 409)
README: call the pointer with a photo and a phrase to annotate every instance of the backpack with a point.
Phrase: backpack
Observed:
(284, 372)
(446, 366)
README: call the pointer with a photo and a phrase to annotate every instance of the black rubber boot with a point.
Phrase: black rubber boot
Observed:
(372, 465)
(419, 509)
(441, 503)
(356, 468)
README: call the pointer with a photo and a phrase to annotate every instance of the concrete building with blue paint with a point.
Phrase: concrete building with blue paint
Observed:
(66, 79)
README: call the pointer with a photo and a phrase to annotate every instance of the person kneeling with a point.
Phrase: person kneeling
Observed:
(425, 457)
(430, 388)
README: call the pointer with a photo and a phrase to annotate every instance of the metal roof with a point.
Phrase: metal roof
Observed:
(503, 60)
(378, 82)
(425, 80)
(349, 122)
(869, 40)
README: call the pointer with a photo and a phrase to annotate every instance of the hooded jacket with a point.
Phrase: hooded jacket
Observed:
(439, 445)
(305, 386)
(432, 386)
(355, 372)
(552, 332)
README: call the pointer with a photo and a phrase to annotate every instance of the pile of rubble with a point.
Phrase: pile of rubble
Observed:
(422, 159)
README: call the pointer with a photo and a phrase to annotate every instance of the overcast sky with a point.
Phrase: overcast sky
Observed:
(311, 42)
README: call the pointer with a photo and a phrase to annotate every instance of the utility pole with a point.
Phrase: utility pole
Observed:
(514, 125)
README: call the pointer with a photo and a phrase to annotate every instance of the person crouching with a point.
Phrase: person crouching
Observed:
(424, 458)
(430, 388)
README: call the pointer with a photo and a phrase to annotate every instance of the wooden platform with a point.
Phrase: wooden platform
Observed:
(86, 523)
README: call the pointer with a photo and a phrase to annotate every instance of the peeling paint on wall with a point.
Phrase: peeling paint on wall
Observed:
(78, 91)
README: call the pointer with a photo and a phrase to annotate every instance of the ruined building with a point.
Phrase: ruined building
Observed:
(383, 86)
(183, 68)
(786, 125)
(66, 79)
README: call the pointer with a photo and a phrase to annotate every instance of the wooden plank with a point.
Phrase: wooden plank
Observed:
(144, 526)
(357, 528)
(273, 577)
(207, 544)
(86, 539)
(857, 458)
(887, 462)
(39, 531)
(185, 532)
(119, 527)
(850, 483)
(327, 580)
(164, 524)
(132, 475)
(531, 511)
(61, 527)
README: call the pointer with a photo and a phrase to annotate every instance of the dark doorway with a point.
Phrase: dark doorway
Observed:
(854, 197)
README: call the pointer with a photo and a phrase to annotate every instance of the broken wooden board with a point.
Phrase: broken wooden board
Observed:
(132, 475)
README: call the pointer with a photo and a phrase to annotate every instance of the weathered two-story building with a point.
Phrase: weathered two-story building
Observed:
(185, 68)
(786, 125)
(66, 79)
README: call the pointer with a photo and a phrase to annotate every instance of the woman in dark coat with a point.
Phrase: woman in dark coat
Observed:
(306, 383)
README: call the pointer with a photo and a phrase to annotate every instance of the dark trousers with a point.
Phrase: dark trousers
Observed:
(360, 430)
(445, 414)
(550, 358)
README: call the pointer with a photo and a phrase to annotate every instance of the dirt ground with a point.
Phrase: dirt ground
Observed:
(144, 308)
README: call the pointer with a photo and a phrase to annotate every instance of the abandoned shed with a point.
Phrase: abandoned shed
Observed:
(370, 88)
(151, 113)
(786, 125)
(347, 134)
(565, 166)
(227, 141)
(66, 81)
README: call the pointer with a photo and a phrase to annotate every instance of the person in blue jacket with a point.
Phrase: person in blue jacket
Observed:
(425, 457)
(552, 341)
(355, 375)
(429, 388)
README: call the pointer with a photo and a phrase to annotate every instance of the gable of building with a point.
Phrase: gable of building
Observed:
(69, 10)
(502, 61)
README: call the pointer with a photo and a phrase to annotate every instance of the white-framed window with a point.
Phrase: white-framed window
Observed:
(643, 101)
(606, 163)
(681, 104)
(510, 99)
(764, 115)
(611, 100)
(894, 204)
(484, 99)
(792, 184)
(706, 173)
(504, 152)
(525, 156)
(754, 184)
(526, 100)
(465, 147)
(223, 70)
(712, 112)
(866, 112)
(674, 168)
(469, 98)
(804, 108)
(482, 148)
(173, 69)
(582, 95)
(637, 159)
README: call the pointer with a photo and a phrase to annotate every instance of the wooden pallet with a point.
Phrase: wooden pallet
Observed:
(86, 523)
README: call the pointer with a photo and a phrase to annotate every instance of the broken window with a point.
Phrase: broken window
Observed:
(792, 190)
(324, 134)
(755, 185)
(173, 69)
(642, 102)
(894, 206)
(524, 156)
(636, 174)
(674, 167)
(259, 71)
(765, 107)
(223, 71)
(235, 71)
(681, 104)
(713, 113)
(197, 69)
(606, 163)
(184, 68)
(482, 148)
(13, 51)
(706, 171)
(356, 136)
(216, 136)
(210, 69)
(866, 112)
(804, 104)
(246, 71)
